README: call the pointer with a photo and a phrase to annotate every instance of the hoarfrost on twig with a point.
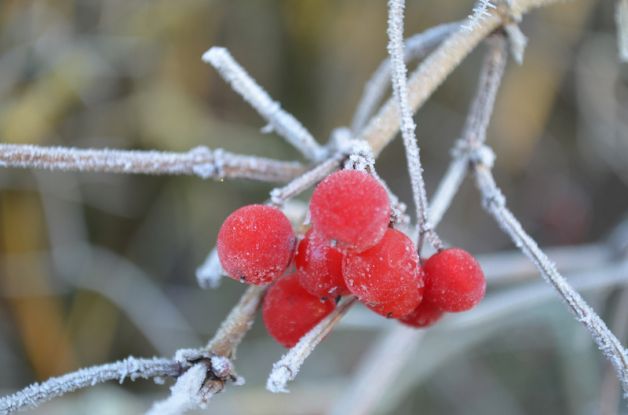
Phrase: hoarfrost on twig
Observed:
(129, 368)
(185, 394)
(278, 120)
(287, 368)
(480, 11)
(200, 161)
(407, 127)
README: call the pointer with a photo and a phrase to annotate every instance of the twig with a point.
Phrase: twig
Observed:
(237, 323)
(495, 204)
(278, 120)
(400, 89)
(200, 161)
(434, 70)
(281, 194)
(416, 47)
(475, 127)
(479, 12)
(184, 394)
(288, 366)
(610, 391)
(129, 368)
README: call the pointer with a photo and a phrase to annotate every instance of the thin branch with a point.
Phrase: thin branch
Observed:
(237, 324)
(287, 368)
(184, 394)
(416, 47)
(400, 89)
(383, 127)
(281, 194)
(200, 161)
(606, 341)
(129, 368)
(278, 120)
(475, 127)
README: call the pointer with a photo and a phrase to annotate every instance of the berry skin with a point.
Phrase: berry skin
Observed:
(255, 244)
(454, 280)
(425, 315)
(387, 278)
(351, 208)
(320, 267)
(289, 311)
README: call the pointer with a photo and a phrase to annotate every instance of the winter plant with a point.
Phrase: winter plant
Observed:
(357, 243)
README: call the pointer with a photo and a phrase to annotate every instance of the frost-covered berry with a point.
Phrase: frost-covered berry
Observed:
(423, 316)
(289, 311)
(255, 244)
(388, 277)
(320, 266)
(454, 280)
(351, 208)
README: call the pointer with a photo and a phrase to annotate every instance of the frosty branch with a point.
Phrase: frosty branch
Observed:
(200, 161)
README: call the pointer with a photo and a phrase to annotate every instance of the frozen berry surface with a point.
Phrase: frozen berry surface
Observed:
(350, 208)
(454, 280)
(388, 277)
(320, 266)
(289, 311)
(425, 315)
(256, 244)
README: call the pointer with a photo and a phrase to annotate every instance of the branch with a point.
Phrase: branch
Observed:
(278, 120)
(287, 368)
(383, 127)
(416, 47)
(400, 89)
(130, 368)
(475, 127)
(200, 161)
(606, 341)
(237, 324)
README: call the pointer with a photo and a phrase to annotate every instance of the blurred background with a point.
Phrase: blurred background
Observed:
(95, 267)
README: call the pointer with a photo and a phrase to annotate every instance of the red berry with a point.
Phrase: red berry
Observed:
(320, 267)
(289, 311)
(387, 277)
(423, 316)
(255, 244)
(351, 208)
(454, 280)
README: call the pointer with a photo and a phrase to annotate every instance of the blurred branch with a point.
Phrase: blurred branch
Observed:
(476, 122)
(130, 368)
(278, 120)
(200, 161)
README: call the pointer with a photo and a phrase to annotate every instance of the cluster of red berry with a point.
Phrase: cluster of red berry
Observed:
(350, 249)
